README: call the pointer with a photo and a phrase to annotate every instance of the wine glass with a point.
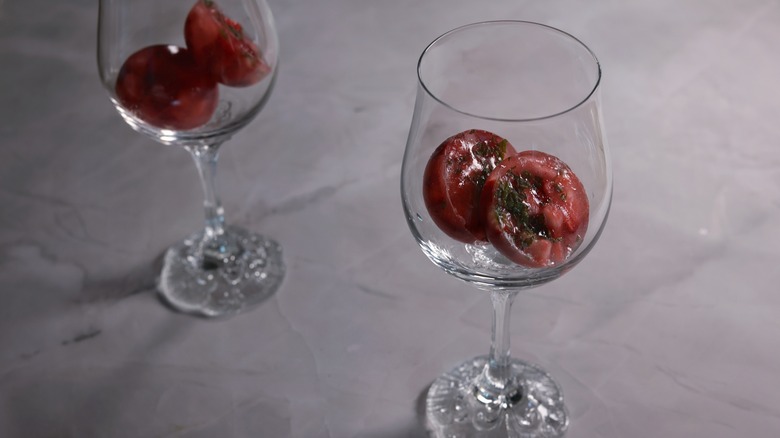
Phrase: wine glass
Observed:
(192, 74)
(506, 184)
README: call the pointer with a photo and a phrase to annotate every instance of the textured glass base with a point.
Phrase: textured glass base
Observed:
(453, 410)
(250, 275)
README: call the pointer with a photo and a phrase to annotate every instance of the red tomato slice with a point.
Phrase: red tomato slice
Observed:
(220, 43)
(536, 209)
(163, 86)
(453, 181)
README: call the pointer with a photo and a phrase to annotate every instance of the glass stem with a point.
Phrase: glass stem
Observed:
(496, 385)
(499, 365)
(215, 247)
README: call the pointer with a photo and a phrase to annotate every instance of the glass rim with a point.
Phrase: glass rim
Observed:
(501, 119)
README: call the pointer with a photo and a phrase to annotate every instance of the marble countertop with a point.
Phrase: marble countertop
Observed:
(668, 329)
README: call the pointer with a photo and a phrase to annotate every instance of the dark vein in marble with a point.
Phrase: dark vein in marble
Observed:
(376, 292)
(80, 233)
(81, 337)
(297, 203)
(300, 202)
(44, 199)
(100, 291)
(30, 355)
(737, 402)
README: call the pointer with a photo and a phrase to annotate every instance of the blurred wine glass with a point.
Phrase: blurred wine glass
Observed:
(192, 74)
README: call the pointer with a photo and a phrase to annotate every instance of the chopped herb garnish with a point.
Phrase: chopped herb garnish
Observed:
(510, 199)
(481, 149)
(479, 179)
(534, 180)
(484, 149)
(519, 181)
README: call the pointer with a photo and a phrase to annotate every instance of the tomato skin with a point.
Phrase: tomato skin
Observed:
(163, 86)
(453, 181)
(219, 44)
(536, 209)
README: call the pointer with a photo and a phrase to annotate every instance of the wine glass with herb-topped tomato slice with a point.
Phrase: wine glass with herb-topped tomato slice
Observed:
(192, 74)
(506, 184)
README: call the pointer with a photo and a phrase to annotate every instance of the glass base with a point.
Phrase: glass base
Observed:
(250, 275)
(454, 410)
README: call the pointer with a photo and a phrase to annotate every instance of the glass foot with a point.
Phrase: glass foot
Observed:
(251, 274)
(453, 409)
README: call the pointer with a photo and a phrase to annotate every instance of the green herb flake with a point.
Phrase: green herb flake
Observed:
(502, 148)
(236, 30)
(559, 189)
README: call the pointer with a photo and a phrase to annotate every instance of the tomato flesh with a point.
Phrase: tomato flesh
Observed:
(163, 86)
(453, 181)
(221, 45)
(536, 209)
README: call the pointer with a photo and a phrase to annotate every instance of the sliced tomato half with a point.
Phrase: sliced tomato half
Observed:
(536, 209)
(220, 44)
(453, 181)
(163, 86)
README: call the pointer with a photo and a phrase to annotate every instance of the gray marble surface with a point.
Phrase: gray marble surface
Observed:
(668, 329)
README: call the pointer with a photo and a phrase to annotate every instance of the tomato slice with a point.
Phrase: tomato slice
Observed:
(453, 181)
(536, 209)
(163, 86)
(221, 44)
